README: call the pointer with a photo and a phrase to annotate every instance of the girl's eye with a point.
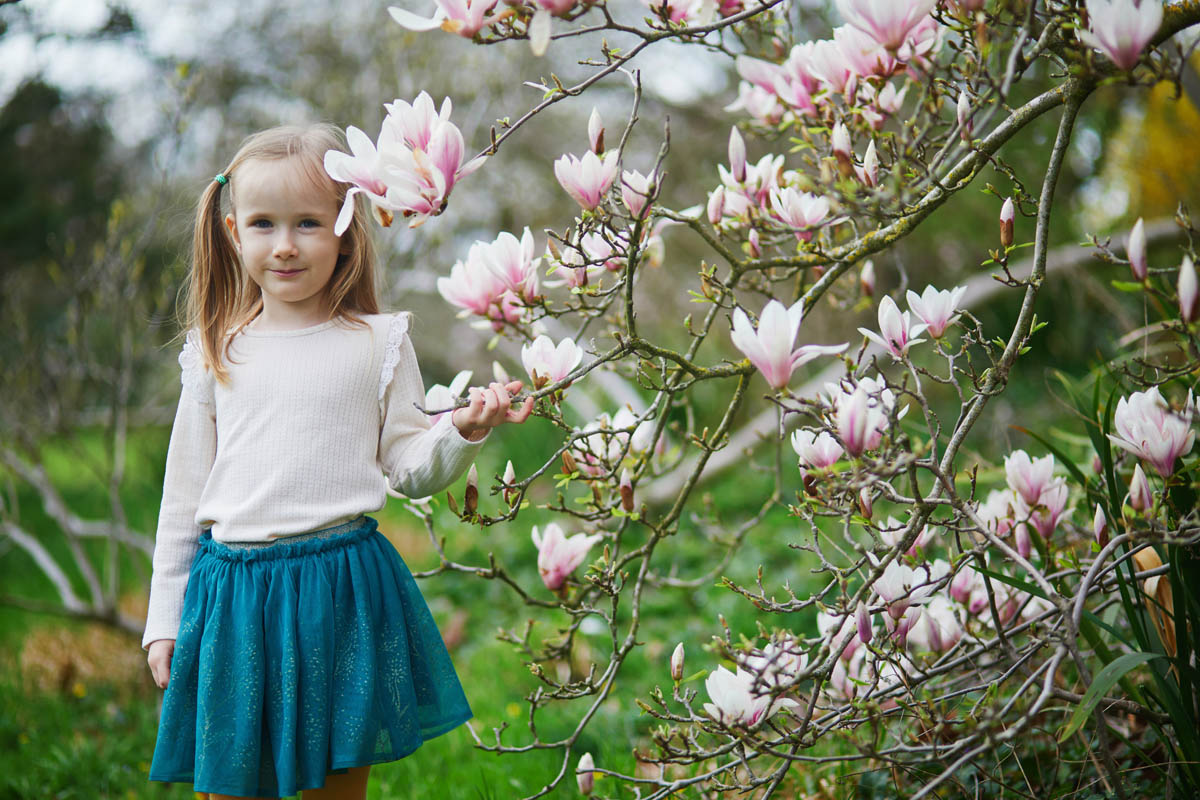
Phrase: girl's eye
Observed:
(310, 223)
(260, 223)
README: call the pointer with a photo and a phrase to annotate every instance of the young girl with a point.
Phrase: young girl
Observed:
(291, 639)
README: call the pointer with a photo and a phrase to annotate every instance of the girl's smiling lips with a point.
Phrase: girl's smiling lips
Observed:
(286, 273)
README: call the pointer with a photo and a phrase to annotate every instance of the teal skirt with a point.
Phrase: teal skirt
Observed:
(300, 658)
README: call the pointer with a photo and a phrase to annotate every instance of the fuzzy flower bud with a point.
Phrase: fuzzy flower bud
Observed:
(1136, 250)
(510, 477)
(840, 142)
(626, 491)
(737, 155)
(862, 618)
(866, 278)
(596, 132)
(584, 775)
(1100, 526)
(1140, 496)
(677, 663)
(716, 205)
(471, 495)
(1187, 290)
(1007, 217)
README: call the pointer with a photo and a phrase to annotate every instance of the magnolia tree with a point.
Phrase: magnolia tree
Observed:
(965, 605)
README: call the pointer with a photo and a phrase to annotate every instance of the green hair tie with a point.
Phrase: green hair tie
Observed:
(221, 179)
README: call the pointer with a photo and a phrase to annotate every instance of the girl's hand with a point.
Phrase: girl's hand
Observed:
(490, 408)
(161, 651)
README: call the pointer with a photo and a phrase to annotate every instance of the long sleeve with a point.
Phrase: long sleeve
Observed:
(418, 458)
(190, 457)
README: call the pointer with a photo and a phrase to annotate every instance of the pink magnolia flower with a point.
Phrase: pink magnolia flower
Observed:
(864, 55)
(511, 260)
(901, 586)
(586, 179)
(770, 347)
(539, 27)
(636, 189)
(964, 583)
(1136, 251)
(547, 363)
(1121, 29)
(861, 414)
(585, 776)
(413, 167)
(996, 512)
(1147, 427)
(896, 332)
(558, 555)
(829, 65)
(464, 17)
(816, 450)
(737, 156)
(887, 21)
(938, 629)
(840, 631)
(781, 663)
(735, 703)
(1050, 508)
(801, 211)
(963, 113)
(599, 250)
(936, 308)
(439, 396)
(761, 104)
(892, 533)
(475, 288)
(1028, 478)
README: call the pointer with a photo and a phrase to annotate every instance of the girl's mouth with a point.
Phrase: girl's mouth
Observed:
(286, 273)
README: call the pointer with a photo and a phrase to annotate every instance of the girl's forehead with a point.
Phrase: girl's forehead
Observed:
(263, 181)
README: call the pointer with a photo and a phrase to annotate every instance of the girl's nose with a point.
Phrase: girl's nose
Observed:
(285, 245)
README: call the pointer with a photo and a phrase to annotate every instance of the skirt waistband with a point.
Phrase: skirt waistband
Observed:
(289, 546)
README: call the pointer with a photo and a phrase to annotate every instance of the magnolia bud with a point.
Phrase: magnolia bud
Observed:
(866, 278)
(584, 775)
(510, 477)
(840, 141)
(471, 495)
(1007, 216)
(596, 132)
(752, 241)
(716, 205)
(1140, 497)
(1100, 526)
(1187, 290)
(568, 462)
(869, 172)
(677, 663)
(1136, 250)
(737, 155)
(862, 618)
(626, 492)
(1097, 465)
(964, 117)
(865, 502)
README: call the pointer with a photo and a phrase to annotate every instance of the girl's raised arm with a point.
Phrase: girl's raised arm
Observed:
(419, 458)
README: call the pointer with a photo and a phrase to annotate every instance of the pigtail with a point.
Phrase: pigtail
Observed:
(214, 285)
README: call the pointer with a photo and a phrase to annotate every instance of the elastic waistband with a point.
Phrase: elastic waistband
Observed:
(291, 546)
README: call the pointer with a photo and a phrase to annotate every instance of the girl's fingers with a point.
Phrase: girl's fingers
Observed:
(513, 387)
(521, 415)
(503, 396)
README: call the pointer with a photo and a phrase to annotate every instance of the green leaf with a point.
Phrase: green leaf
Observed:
(1101, 683)
(1127, 286)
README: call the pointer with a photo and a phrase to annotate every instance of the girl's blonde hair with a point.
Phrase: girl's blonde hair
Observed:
(221, 299)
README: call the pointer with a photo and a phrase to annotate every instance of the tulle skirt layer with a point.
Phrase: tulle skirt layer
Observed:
(298, 659)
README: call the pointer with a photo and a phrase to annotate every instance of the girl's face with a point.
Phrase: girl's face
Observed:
(282, 226)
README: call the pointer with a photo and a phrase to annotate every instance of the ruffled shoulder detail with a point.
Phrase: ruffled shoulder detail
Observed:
(193, 373)
(397, 330)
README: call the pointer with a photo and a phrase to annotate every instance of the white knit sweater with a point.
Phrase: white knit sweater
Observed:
(300, 440)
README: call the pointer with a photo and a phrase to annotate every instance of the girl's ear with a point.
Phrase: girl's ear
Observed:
(231, 224)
